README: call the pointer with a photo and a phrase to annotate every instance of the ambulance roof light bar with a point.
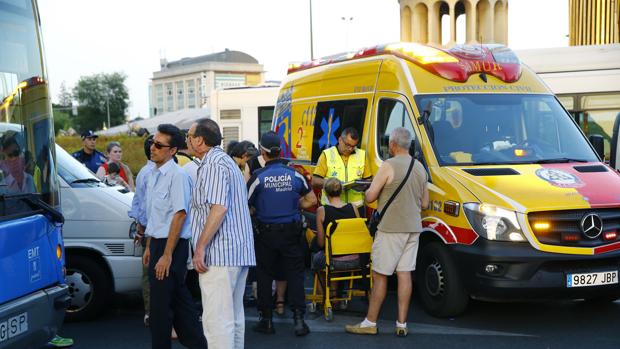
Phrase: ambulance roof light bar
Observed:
(455, 64)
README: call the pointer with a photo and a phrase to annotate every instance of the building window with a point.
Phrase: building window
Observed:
(180, 96)
(230, 114)
(169, 97)
(229, 80)
(265, 118)
(230, 134)
(191, 93)
(159, 99)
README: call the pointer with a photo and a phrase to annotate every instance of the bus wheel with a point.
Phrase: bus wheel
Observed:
(438, 283)
(88, 288)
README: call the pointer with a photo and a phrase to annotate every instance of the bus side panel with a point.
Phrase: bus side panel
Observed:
(28, 261)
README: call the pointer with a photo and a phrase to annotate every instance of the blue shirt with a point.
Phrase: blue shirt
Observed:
(138, 204)
(168, 191)
(91, 161)
(220, 182)
(275, 191)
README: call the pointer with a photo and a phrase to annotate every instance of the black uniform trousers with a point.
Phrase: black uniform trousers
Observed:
(171, 302)
(279, 246)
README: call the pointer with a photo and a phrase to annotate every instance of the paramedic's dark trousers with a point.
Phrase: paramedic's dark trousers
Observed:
(281, 244)
(171, 302)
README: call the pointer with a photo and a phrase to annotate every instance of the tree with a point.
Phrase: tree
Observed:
(65, 99)
(93, 94)
(62, 118)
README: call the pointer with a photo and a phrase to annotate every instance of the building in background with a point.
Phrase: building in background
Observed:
(486, 21)
(188, 83)
(594, 22)
(586, 80)
(244, 113)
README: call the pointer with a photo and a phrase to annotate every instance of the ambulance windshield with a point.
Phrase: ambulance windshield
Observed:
(486, 129)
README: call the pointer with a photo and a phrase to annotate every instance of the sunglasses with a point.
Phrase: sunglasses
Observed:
(159, 145)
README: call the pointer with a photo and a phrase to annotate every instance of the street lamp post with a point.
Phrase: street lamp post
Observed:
(347, 21)
(311, 38)
(107, 106)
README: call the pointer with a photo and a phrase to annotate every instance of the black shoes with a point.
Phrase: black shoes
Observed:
(264, 325)
(301, 328)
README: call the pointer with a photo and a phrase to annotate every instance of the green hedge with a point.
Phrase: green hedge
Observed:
(133, 148)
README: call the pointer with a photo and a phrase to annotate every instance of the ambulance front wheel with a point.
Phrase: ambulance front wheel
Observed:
(438, 283)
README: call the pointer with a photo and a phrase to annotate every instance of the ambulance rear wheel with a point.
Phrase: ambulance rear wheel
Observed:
(438, 283)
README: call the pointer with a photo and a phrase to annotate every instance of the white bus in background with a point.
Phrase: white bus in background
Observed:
(586, 80)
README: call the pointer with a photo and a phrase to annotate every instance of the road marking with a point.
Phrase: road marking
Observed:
(337, 326)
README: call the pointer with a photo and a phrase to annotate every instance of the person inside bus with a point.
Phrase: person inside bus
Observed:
(115, 155)
(15, 179)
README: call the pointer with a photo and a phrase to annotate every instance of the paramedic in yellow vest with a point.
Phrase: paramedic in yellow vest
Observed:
(345, 162)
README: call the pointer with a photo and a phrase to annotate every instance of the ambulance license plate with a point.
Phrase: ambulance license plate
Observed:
(592, 279)
(13, 326)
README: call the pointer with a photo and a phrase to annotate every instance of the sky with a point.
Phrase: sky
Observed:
(86, 37)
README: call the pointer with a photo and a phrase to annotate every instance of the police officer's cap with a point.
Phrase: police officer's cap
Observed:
(88, 134)
(270, 142)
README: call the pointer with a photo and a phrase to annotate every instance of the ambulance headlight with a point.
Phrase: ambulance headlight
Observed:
(493, 223)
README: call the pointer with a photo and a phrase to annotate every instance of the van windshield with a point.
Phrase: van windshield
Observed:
(71, 170)
(484, 129)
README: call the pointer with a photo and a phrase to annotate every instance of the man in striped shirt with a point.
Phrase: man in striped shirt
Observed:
(222, 236)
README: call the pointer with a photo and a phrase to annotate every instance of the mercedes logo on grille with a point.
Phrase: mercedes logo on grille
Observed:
(592, 225)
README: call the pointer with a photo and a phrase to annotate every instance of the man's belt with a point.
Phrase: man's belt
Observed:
(279, 226)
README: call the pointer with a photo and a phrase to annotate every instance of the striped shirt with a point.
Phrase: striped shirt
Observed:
(220, 182)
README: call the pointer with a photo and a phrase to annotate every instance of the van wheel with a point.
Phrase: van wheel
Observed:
(88, 288)
(438, 283)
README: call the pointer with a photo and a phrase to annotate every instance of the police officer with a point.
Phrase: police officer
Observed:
(343, 161)
(277, 193)
(88, 155)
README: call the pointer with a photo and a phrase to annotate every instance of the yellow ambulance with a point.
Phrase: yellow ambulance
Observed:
(521, 205)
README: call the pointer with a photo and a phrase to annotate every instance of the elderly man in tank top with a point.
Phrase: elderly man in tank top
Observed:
(396, 242)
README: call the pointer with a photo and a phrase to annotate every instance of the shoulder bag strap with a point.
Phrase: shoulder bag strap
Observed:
(402, 184)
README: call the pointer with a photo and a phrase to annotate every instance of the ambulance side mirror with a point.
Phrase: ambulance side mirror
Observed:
(598, 142)
(614, 159)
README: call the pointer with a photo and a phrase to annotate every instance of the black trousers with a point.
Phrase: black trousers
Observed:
(171, 302)
(276, 248)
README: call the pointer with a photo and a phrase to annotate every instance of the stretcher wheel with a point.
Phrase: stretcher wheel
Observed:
(312, 307)
(329, 314)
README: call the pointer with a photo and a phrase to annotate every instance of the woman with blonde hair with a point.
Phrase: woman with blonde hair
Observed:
(115, 155)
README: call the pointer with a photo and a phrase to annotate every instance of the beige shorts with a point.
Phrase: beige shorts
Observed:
(394, 252)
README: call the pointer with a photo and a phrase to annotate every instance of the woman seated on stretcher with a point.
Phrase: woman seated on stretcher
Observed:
(336, 209)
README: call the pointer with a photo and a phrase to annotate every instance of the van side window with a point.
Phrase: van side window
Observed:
(334, 116)
(392, 114)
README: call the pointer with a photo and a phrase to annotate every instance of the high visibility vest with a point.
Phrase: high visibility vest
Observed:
(353, 171)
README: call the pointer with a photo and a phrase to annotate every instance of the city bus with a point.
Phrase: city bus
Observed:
(33, 293)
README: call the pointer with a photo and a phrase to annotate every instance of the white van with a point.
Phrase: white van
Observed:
(101, 257)
(100, 253)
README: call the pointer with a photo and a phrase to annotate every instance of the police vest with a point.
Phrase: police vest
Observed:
(352, 171)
